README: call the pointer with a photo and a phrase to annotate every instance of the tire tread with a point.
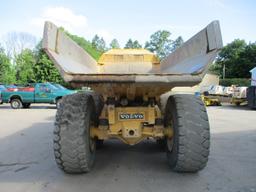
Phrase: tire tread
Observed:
(70, 133)
(193, 139)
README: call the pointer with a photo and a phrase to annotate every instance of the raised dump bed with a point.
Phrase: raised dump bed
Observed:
(140, 68)
(125, 101)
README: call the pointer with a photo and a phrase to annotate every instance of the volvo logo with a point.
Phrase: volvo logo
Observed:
(131, 116)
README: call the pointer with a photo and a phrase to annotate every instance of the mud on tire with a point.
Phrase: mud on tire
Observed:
(188, 151)
(73, 148)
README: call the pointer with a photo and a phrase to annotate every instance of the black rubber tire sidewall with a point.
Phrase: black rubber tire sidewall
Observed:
(172, 112)
(72, 139)
(191, 140)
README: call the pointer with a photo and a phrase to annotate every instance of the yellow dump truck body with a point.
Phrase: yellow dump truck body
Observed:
(124, 70)
(131, 82)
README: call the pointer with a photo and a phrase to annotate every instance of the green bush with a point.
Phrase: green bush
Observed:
(235, 81)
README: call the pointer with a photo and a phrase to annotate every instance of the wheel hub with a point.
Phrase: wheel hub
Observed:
(15, 104)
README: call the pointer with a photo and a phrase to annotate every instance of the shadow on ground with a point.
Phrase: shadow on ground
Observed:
(27, 160)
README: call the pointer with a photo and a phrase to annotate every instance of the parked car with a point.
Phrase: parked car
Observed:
(59, 86)
(2, 88)
(36, 93)
(11, 87)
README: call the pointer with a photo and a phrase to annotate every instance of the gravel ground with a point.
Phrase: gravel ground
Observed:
(27, 162)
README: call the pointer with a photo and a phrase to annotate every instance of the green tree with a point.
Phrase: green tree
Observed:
(44, 69)
(95, 41)
(161, 44)
(99, 44)
(25, 62)
(114, 44)
(132, 44)
(136, 45)
(177, 43)
(235, 60)
(7, 72)
(244, 63)
(129, 44)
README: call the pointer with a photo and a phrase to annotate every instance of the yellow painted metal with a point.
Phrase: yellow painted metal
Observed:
(238, 101)
(111, 114)
(128, 56)
(128, 60)
(131, 131)
(130, 90)
(168, 132)
(210, 100)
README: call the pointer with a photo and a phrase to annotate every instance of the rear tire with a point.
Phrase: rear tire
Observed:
(74, 149)
(98, 101)
(188, 150)
(16, 103)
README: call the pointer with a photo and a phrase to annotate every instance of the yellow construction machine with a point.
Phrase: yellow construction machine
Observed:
(125, 101)
(210, 100)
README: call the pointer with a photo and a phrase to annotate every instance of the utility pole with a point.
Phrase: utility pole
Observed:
(224, 71)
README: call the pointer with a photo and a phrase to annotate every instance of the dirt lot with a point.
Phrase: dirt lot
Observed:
(27, 163)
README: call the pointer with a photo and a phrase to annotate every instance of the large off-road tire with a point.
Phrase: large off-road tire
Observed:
(99, 103)
(74, 149)
(188, 150)
(16, 103)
